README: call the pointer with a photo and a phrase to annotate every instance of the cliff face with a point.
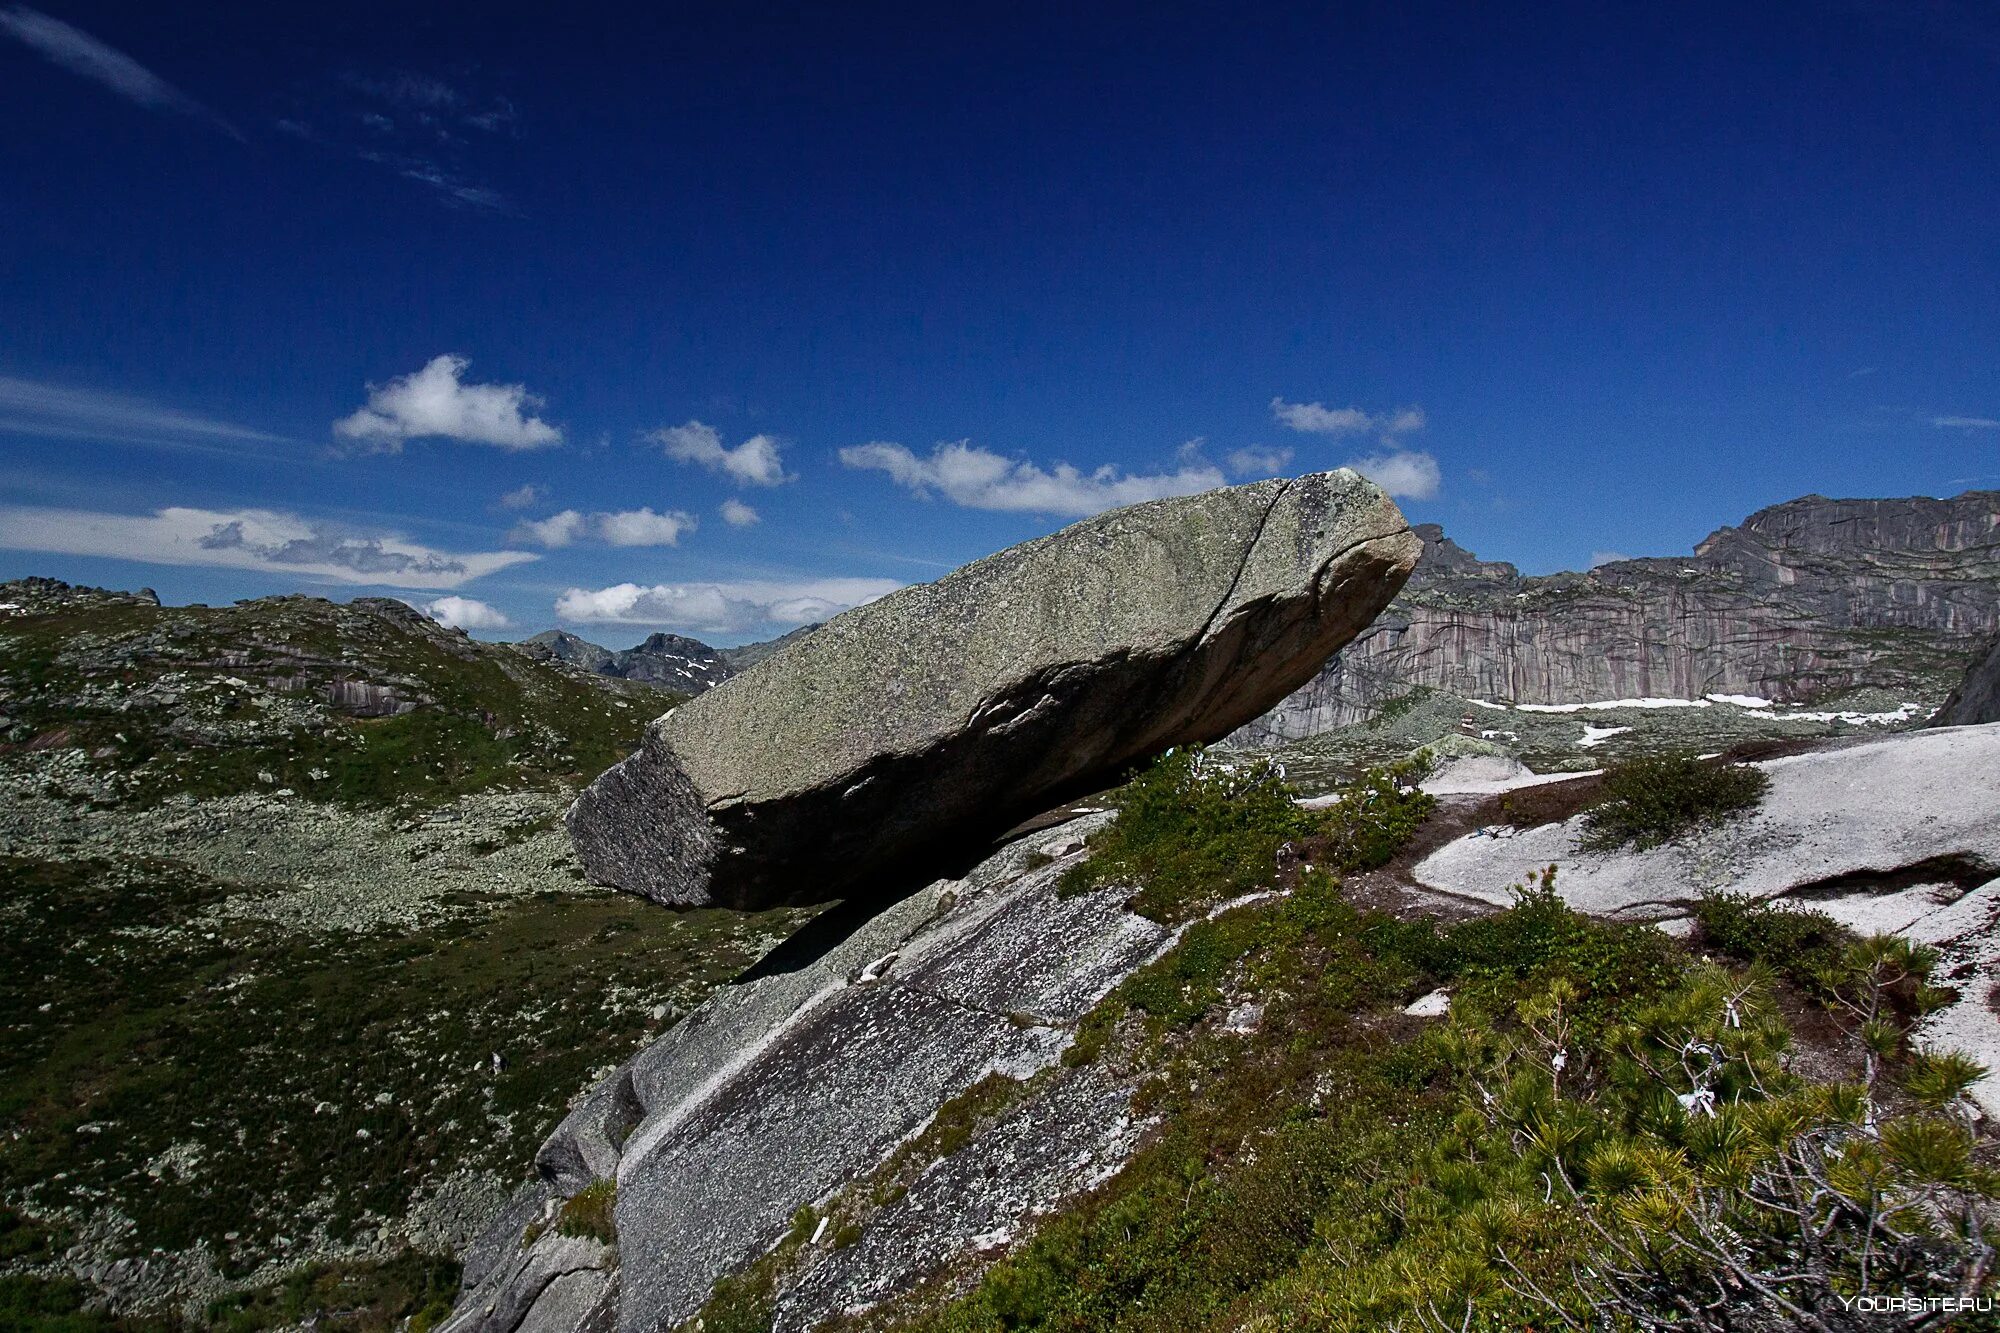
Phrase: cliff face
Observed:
(1808, 598)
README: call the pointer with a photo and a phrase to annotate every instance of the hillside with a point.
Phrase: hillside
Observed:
(1804, 603)
(294, 956)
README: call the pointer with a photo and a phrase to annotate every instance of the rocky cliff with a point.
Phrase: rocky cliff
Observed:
(1805, 599)
(668, 661)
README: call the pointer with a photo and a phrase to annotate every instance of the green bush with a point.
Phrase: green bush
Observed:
(1655, 800)
(1194, 830)
(1802, 945)
(591, 1213)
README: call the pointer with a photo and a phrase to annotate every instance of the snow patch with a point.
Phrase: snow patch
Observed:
(1595, 736)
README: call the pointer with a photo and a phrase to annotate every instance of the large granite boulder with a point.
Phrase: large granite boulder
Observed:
(899, 739)
(1977, 698)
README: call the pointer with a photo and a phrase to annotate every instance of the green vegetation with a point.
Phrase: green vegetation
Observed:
(1193, 831)
(231, 1083)
(1656, 800)
(213, 701)
(1607, 1131)
(366, 1297)
(589, 1213)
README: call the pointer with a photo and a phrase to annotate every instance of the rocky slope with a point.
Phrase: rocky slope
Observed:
(1898, 834)
(294, 956)
(1805, 600)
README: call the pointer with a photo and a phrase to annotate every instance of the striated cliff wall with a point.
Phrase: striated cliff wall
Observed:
(1805, 599)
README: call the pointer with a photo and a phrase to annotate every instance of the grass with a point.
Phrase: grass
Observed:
(1654, 800)
(1194, 830)
(589, 1213)
(1346, 1167)
(369, 1297)
(211, 701)
(245, 1088)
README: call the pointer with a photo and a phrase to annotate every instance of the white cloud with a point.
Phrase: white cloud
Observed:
(260, 539)
(524, 497)
(643, 527)
(1407, 474)
(1607, 558)
(1319, 419)
(81, 54)
(1966, 423)
(719, 608)
(739, 515)
(1259, 460)
(432, 402)
(631, 527)
(554, 531)
(980, 479)
(466, 613)
(755, 462)
(28, 407)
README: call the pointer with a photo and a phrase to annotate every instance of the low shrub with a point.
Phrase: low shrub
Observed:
(589, 1213)
(1655, 800)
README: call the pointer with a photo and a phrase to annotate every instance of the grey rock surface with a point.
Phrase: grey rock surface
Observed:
(1977, 698)
(911, 731)
(1805, 600)
(778, 1093)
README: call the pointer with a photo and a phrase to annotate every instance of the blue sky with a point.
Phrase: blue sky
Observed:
(715, 318)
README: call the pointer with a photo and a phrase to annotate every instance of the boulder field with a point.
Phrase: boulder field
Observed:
(900, 739)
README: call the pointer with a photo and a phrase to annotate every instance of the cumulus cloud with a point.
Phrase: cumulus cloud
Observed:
(1258, 460)
(980, 479)
(719, 608)
(755, 462)
(630, 527)
(643, 527)
(434, 402)
(81, 54)
(259, 539)
(524, 497)
(1319, 419)
(1607, 558)
(1966, 423)
(739, 515)
(1407, 474)
(466, 613)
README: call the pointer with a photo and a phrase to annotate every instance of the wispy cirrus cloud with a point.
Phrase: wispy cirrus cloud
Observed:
(628, 527)
(83, 55)
(422, 127)
(55, 411)
(755, 462)
(436, 403)
(1966, 423)
(977, 478)
(722, 607)
(267, 540)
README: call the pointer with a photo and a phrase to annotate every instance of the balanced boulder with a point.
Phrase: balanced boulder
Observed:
(900, 738)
